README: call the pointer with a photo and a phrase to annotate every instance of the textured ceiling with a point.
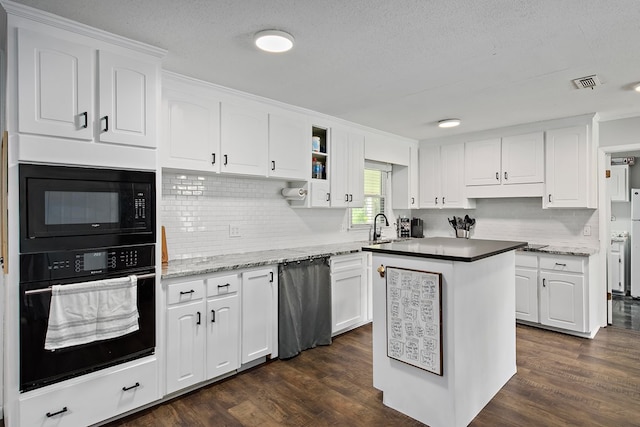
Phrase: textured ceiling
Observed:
(400, 65)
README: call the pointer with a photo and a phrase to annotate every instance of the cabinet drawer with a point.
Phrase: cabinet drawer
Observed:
(347, 262)
(88, 401)
(222, 285)
(524, 259)
(573, 264)
(185, 292)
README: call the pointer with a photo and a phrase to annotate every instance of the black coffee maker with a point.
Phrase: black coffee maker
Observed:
(416, 227)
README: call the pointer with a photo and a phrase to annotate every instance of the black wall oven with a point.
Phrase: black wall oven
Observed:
(72, 207)
(39, 271)
(83, 225)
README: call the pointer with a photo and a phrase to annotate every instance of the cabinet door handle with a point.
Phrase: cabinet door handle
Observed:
(505, 176)
(436, 200)
(442, 200)
(346, 197)
(413, 200)
(213, 158)
(199, 318)
(328, 197)
(271, 279)
(106, 124)
(544, 283)
(136, 385)
(351, 197)
(187, 292)
(273, 165)
(53, 414)
(213, 316)
(225, 160)
(86, 119)
(549, 198)
(497, 176)
(561, 265)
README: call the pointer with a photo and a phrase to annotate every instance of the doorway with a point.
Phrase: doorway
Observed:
(616, 238)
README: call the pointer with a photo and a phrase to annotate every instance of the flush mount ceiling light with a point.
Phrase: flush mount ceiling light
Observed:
(275, 41)
(448, 123)
(637, 87)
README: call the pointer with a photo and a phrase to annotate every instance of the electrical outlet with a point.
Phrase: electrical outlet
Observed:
(234, 230)
(587, 230)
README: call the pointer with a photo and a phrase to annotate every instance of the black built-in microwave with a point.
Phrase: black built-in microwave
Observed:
(74, 207)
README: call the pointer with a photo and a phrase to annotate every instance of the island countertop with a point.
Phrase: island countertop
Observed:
(445, 248)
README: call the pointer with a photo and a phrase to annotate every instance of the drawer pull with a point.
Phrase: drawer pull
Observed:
(136, 385)
(187, 292)
(53, 414)
(561, 265)
(224, 286)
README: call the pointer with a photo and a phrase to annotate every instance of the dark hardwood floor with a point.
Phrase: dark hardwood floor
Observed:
(561, 381)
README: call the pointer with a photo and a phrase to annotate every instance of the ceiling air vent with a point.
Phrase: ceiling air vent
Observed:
(587, 82)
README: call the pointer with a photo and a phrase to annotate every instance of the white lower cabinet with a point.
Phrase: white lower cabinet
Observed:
(92, 398)
(349, 292)
(553, 290)
(259, 314)
(202, 329)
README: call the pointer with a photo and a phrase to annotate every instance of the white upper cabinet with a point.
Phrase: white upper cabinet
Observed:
(55, 86)
(405, 182)
(492, 165)
(347, 169)
(619, 183)
(568, 159)
(191, 131)
(482, 162)
(289, 143)
(442, 177)
(244, 138)
(523, 159)
(127, 100)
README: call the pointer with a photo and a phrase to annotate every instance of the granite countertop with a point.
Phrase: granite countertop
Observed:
(446, 248)
(561, 250)
(212, 264)
(203, 265)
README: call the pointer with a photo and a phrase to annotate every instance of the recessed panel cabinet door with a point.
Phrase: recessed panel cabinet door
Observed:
(339, 169)
(223, 332)
(356, 170)
(566, 179)
(562, 302)
(349, 299)
(128, 96)
(523, 159)
(55, 87)
(191, 133)
(527, 294)
(185, 345)
(259, 302)
(429, 172)
(243, 139)
(289, 145)
(482, 162)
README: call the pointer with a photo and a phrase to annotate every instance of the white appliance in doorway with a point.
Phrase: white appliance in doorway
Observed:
(635, 242)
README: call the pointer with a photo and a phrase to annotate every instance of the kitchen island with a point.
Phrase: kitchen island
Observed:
(444, 340)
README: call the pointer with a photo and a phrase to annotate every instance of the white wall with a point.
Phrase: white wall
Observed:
(519, 219)
(620, 132)
(198, 209)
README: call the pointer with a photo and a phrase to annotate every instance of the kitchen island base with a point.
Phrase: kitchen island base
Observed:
(478, 340)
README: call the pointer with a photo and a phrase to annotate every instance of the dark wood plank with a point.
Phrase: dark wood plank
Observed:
(561, 380)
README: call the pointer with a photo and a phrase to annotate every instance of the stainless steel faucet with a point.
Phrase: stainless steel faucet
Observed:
(377, 235)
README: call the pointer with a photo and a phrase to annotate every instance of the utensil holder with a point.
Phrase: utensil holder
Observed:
(462, 233)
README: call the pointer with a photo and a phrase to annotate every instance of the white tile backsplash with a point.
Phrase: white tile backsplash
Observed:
(520, 219)
(197, 211)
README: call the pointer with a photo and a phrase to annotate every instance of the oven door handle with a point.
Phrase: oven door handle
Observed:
(46, 290)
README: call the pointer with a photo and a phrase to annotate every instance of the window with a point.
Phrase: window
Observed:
(375, 191)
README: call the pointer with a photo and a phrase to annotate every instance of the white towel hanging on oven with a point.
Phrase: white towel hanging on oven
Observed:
(81, 313)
